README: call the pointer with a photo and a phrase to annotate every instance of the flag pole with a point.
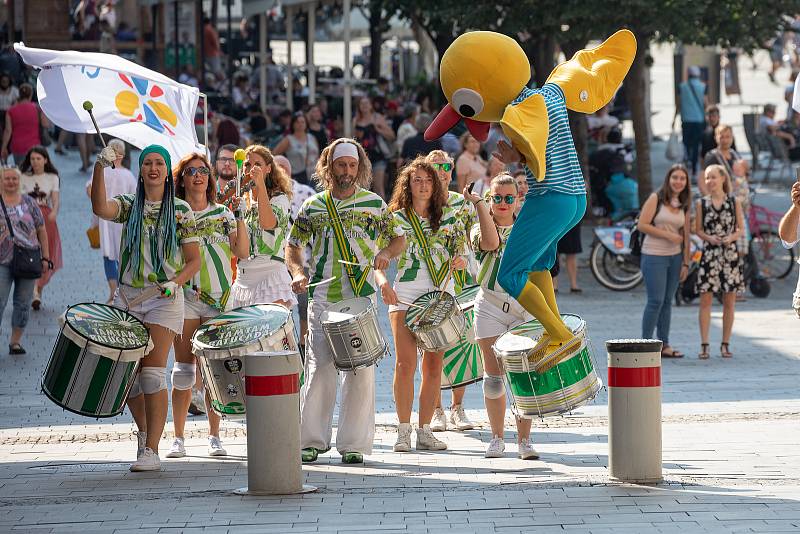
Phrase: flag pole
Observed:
(205, 121)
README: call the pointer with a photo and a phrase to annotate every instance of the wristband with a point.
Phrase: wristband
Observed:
(478, 201)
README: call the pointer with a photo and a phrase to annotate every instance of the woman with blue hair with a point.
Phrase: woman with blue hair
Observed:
(158, 241)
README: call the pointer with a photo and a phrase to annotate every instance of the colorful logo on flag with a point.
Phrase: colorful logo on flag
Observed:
(142, 105)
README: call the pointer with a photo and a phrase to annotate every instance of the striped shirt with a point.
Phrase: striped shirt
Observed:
(269, 242)
(136, 275)
(464, 277)
(489, 261)
(448, 242)
(215, 224)
(563, 172)
(366, 223)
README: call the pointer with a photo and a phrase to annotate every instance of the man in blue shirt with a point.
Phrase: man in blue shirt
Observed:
(692, 103)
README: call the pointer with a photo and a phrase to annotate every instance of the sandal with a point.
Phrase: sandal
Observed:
(724, 352)
(704, 355)
(15, 348)
(576, 290)
(672, 353)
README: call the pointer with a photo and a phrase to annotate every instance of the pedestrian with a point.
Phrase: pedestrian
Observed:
(789, 231)
(24, 121)
(300, 148)
(21, 223)
(692, 102)
(664, 221)
(159, 238)
(522, 189)
(470, 166)
(40, 180)
(343, 171)
(119, 180)
(569, 247)
(8, 97)
(416, 145)
(225, 167)
(316, 126)
(719, 222)
(261, 276)
(222, 235)
(227, 133)
(376, 136)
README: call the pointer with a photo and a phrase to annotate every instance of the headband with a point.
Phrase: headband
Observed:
(345, 150)
(157, 149)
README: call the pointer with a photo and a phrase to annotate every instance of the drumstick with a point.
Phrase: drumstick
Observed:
(326, 281)
(411, 305)
(152, 277)
(354, 263)
(88, 106)
(238, 157)
(145, 295)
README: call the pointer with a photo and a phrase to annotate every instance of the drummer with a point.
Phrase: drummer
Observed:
(345, 173)
(222, 235)
(443, 164)
(496, 312)
(263, 278)
(436, 245)
(158, 238)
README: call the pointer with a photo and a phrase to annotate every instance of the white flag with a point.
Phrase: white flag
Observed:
(796, 96)
(138, 105)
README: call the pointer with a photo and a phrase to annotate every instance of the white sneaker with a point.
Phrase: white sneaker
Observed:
(459, 419)
(426, 441)
(141, 443)
(526, 450)
(148, 461)
(403, 443)
(177, 450)
(215, 447)
(496, 448)
(439, 421)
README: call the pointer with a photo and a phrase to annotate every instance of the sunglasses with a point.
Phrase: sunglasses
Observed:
(446, 167)
(191, 171)
(510, 199)
(225, 160)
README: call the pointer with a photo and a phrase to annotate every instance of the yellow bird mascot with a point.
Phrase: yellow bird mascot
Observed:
(484, 77)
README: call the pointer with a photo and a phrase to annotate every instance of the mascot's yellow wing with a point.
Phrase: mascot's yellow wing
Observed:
(591, 77)
(526, 125)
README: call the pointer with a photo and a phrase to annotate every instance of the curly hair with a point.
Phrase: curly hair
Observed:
(177, 173)
(401, 197)
(277, 181)
(324, 170)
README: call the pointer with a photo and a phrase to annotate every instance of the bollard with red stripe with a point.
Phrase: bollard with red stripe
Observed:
(634, 410)
(272, 387)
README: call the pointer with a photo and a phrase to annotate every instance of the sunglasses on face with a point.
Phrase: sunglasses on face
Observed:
(509, 199)
(446, 167)
(191, 171)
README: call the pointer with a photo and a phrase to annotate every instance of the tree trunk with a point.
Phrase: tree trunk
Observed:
(375, 38)
(214, 13)
(541, 53)
(577, 121)
(636, 93)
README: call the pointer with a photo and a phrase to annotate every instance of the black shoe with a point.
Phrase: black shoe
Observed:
(15, 348)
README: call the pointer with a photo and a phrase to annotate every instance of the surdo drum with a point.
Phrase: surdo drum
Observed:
(440, 324)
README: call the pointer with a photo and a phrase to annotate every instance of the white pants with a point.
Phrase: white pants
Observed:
(796, 297)
(318, 397)
(496, 313)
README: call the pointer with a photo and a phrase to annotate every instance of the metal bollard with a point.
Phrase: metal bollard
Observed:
(634, 410)
(272, 386)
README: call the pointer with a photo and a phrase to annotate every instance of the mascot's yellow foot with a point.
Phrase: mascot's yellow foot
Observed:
(548, 357)
(590, 79)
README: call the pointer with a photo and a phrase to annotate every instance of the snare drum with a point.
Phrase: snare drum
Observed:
(95, 359)
(571, 383)
(438, 327)
(463, 364)
(351, 328)
(221, 343)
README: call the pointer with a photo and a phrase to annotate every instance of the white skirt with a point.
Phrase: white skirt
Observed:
(261, 280)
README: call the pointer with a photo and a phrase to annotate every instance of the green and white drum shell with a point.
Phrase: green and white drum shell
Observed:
(573, 382)
(439, 329)
(221, 344)
(95, 359)
(353, 334)
(463, 364)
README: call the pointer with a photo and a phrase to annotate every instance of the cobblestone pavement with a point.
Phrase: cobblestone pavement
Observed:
(730, 437)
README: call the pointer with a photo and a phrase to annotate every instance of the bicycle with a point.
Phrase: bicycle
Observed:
(773, 259)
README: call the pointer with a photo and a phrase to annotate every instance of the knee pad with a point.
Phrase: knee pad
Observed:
(136, 388)
(153, 379)
(493, 387)
(183, 376)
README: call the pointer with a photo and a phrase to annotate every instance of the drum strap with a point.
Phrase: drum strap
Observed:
(416, 225)
(357, 277)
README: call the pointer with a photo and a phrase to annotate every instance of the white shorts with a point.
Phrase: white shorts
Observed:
(194, 308)
(166, 312)
(410, 291)
(490, 318)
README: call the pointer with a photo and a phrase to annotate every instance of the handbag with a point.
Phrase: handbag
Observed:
(93, 234)
(674, 151)
(25, 262)
(637, 237)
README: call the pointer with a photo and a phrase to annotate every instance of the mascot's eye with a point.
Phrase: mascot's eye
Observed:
(467, 102)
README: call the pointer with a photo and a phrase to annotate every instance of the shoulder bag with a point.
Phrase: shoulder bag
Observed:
(26, 262)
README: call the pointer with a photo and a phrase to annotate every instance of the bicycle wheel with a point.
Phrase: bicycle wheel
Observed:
(774, 261)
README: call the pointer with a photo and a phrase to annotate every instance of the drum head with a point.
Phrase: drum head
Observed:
(346, 310)
(466, 299)
(443, 303)
(240, 327)
(107, 326)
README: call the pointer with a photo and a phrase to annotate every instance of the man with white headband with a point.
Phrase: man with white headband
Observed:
(346, 221)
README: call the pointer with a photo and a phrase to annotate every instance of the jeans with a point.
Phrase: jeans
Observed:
(692, 140)
(23, 295)
(661, 276)
(111, 268)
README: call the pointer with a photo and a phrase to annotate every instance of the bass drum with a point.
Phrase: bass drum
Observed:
(463, 364)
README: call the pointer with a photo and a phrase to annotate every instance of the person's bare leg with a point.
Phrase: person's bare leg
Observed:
(495, 408)
(405, 366)
(429, 388)
(728, 308)
(157, 404)
(572, 270)
(138, 412)
(182, 398)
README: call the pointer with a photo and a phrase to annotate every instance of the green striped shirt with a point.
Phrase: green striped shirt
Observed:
(489, 261)
(366, 223)
(269, 242)
(448, 242)
(136, 275)
(215, 224)
(464, 277)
